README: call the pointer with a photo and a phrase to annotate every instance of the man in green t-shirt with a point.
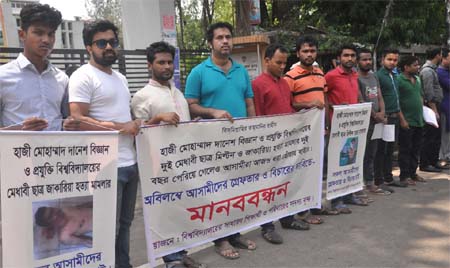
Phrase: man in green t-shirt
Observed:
(411, 119)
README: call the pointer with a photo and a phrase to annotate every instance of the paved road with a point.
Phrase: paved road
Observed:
(410, 228)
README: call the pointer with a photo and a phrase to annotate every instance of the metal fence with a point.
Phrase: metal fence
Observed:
(131, 63)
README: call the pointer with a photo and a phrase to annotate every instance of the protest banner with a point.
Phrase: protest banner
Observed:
(209, 179)
(346, 149)
(58, 198)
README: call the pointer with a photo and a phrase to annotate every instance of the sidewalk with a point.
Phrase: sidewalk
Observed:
(410, 228)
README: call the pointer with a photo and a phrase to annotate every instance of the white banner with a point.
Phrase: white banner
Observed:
(346, 149)
(51, 185)
(205, 180)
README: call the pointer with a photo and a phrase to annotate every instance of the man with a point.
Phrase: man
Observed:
(411, 119)
(99, 97)
(71, 225)
(308, 86)
(273, 96)
(343, 89)
(370, 92)
(389, 90)
(443, 72)
(161, 102)
(429, 154)
(306, 80)
(220, 88)
(32, 90)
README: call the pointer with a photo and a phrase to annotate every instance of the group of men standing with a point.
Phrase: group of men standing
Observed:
(35, 95)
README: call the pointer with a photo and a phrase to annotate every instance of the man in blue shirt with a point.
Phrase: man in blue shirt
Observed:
(220, 88)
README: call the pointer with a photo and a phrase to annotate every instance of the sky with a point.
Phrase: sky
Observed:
(68, 8)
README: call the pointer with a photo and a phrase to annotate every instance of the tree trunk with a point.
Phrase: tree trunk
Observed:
(242, 18)
(265, 20)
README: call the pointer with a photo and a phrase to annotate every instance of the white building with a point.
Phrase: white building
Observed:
(68, 35)
(148, 21)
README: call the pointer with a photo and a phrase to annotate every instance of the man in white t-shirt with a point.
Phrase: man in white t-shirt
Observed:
(161, 102)
(99, 97)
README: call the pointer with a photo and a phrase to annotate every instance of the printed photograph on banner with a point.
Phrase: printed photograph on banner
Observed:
(62, 226)
(348, 152)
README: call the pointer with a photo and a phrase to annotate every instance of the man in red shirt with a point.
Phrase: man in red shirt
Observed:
(343, 89)
(272, 96)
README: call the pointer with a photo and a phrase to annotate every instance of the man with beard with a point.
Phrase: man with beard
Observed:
(385, 150)
(220, 88)
(308, 86)
(371, 92)
(343, 89)
(160, 101)
(411, 119)
(99, 97)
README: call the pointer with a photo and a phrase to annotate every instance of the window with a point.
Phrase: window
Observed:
(69, 25)
(63, 25)
(71, 40)
(63, 39)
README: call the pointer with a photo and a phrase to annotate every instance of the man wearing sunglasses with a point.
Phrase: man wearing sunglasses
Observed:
(99, 97)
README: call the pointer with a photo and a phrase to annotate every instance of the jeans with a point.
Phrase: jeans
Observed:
(177, 256)
(383, 157)
(409, 141)
(429, 154)
(127, 184)
(369, 156)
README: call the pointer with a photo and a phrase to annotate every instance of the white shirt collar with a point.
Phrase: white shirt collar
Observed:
(24, 63)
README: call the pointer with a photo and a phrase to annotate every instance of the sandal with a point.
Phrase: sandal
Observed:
(226, 250)
(311, 219)
(418, 178)
(191, 263)
(410, 182)
(272, 236)
(373, 189)
(355, 201)
(329, 212)
(295, 225)
(343, 209)
(240, 242)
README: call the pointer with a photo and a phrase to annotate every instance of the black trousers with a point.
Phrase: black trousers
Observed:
(383, 157)
(429, 154)
(409, 142)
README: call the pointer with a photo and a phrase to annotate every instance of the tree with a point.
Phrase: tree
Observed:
(105, 9)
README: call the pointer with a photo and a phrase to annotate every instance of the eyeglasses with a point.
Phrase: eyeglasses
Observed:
(103, 43)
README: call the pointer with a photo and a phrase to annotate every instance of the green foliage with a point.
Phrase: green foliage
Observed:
(409, 21)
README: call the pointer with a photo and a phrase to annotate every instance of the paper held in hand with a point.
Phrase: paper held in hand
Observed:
(430, 117)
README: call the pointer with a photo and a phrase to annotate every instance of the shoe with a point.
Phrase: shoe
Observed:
(295, 225)
(408, 182)
(418, 178)
(442, 165)
(272, 236)
(386, 188)
(394, 183)
(430, 168)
